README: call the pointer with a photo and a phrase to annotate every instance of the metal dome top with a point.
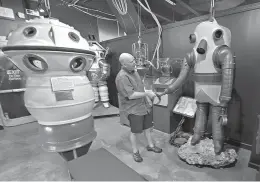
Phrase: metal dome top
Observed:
(47, 34)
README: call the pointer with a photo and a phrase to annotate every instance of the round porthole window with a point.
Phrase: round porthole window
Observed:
(29, 31)
(35, 63)
(192, 38)
(73, 36)
(218, 34)
(78, 64)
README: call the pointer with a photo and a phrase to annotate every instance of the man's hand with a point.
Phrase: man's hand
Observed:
(150, 94)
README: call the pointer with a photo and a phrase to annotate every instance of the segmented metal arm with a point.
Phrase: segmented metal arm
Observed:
(225, 59)
(185, 69)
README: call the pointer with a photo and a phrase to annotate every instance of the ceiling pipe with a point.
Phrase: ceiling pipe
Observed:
(156, 14)
(73, 2)
(185, 5)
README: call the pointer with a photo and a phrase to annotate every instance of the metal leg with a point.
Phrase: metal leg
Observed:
(201, 122)
(217, 129)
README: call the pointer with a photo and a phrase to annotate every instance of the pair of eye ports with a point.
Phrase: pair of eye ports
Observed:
(38, 64)
(217, 35)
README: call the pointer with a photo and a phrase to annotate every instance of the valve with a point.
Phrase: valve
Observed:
(223, 117)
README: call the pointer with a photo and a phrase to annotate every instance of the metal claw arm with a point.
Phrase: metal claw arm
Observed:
(186, 67)
(225, 59)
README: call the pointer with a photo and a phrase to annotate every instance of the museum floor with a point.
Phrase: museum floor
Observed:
(22, 159)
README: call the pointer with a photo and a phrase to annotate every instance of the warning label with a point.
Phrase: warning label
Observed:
(14, 74)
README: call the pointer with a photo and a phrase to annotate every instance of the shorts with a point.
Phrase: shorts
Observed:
(140, 123)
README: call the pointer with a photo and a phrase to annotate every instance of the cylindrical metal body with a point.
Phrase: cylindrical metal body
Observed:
(55, 58)
(213, 76)
(207, 77)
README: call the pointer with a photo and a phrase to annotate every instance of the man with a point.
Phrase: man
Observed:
(135, 103)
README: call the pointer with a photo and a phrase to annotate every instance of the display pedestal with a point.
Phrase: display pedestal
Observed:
(100, 111)
(257, 178)
(163, 117)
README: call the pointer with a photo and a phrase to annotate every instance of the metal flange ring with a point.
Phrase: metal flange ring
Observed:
(35, 63)
(78, 64)
(29, 31)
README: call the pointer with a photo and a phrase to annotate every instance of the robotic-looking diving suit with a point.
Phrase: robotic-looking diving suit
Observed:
(213, 65)
(98, 73)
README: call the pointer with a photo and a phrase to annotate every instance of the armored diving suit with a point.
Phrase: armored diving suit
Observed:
(213, 66)
(98, 73)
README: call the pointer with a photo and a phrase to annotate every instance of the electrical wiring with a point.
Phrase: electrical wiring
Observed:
(79, 9)
(96, 16)
(132, 22)
(92, 10)
(156, 52)
(159, 32)
(123, 23)
(118, 29)
(159, 28)
(121, 6)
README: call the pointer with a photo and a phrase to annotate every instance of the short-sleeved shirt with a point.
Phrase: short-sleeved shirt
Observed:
(128, 83)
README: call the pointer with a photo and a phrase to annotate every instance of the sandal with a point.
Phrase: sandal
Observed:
(154, 149)
(137, 157)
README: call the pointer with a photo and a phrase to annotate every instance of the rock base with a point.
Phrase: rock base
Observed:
(203, 155)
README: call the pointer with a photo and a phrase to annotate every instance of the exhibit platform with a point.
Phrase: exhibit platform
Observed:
(96, 166)
(100, 111)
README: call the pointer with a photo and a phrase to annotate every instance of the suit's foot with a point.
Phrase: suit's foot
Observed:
(195, 139)
(106, 105)
(1, 127)
(218, 147)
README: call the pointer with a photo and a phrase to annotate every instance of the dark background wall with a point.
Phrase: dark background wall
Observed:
(109, 29)
(244, 26)
(9, 25)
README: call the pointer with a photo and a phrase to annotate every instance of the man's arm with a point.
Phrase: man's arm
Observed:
(127, 90)
(138, 95)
